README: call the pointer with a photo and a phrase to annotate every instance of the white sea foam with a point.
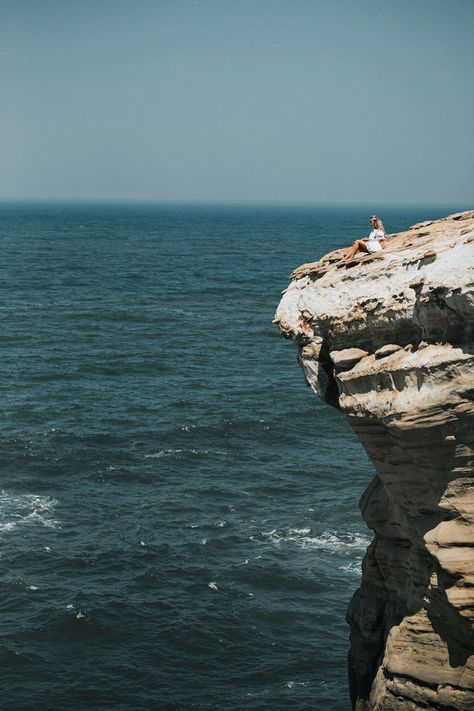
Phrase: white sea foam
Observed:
(164, 453)
(293, 684)
(329, 541)
(26, 510)
(297, 531)
(354, 567)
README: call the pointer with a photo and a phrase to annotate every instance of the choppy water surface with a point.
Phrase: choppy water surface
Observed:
(178, 513)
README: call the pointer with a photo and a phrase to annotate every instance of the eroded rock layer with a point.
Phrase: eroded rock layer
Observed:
(388, 338)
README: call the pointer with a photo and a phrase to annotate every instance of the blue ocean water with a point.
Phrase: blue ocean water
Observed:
(179, 526)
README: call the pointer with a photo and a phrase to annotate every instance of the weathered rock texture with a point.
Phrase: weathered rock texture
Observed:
(389, 340)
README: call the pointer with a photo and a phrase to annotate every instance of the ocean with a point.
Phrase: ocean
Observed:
(179, 523)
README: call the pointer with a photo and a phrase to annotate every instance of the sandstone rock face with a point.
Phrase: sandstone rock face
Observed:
(389, 339)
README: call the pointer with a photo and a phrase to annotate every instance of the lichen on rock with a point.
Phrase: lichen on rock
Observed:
(389, 340)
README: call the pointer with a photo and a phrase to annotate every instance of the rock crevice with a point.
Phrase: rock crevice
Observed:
(388, 339)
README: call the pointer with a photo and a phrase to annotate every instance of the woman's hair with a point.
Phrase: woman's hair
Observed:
(378, 222)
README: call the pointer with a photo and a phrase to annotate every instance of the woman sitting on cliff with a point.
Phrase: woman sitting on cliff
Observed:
(374, 242)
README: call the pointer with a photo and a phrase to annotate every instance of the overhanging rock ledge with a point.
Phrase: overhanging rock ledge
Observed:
(388, 339)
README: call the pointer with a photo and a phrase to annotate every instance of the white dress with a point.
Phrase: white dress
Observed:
(372, 243)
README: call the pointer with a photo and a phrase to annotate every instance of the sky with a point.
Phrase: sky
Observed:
(237, 100)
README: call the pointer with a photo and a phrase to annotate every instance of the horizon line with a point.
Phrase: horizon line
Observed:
(225, 202)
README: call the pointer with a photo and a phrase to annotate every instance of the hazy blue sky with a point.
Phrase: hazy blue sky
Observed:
(320, 100)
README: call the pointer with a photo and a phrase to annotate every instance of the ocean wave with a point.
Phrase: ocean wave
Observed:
(208, 526)
(353, 567)
(294, 684)
(180, 453)
(328, 541)
(26, 510)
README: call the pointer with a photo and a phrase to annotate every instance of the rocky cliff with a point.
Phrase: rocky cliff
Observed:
(389, 339)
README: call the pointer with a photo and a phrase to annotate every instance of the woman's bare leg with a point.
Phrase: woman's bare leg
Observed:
(358, 244)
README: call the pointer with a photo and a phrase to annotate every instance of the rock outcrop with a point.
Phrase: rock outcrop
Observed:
(389, 339)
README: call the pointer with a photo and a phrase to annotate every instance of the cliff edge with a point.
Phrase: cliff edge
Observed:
(389, 339)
